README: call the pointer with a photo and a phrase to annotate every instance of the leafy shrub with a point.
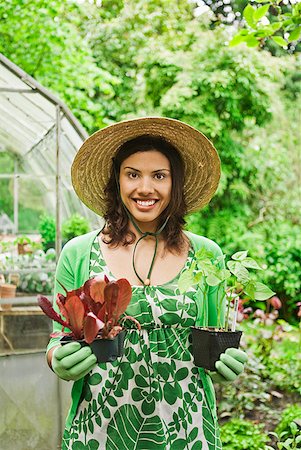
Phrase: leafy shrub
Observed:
(289, 415)
(76, 225)
(271, 376)
(277, 350)
(47, 230)
(240, 434)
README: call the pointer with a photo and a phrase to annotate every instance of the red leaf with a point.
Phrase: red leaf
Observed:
(76, 313)
(47, 308)
(92, 326)
(124, 296)
(111, 298)
(97, 286)
(106, 279)
(60, 301)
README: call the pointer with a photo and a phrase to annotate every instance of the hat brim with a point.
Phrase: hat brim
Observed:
(91, 168)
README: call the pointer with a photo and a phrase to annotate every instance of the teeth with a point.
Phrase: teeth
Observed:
(146, 202)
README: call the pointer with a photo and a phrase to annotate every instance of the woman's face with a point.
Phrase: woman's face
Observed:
(145, 187)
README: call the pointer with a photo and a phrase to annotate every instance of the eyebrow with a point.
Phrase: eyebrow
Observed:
(154, 171)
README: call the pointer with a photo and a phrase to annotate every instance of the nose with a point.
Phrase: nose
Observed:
(145, 186)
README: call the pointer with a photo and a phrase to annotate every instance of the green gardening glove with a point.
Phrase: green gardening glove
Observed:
(229, 366)
(72, 362)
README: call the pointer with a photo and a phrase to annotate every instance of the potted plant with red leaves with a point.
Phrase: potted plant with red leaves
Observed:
(233, 284)
(94, 314)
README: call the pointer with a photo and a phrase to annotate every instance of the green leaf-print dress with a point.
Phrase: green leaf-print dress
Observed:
(152, 397)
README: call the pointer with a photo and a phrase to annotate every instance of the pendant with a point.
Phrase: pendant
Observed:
(147, 282)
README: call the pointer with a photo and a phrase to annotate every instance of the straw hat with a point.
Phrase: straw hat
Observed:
(92, 164)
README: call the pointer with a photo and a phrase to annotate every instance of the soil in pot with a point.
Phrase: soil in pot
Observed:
(105, 350)
(209, 344)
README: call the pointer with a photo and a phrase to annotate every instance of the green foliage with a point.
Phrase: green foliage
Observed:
(75, 226)
(55, 52)
(47, 229)
(291, 414)
(236, 282)
(279, 18)
(271, 377)
(240, 434)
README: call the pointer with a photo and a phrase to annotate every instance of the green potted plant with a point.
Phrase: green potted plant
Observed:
(232, 283)
(47, 230)
(76, 225)
(24, 244)
(93, 315)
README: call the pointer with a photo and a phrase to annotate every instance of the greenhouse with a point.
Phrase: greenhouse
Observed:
(40, 136)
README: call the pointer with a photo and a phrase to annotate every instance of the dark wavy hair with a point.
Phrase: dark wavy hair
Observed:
(116, 229)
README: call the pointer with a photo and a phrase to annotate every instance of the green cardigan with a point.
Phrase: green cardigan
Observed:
(73, 270)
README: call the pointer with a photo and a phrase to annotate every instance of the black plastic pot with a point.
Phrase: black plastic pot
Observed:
(208, 344)
(105, 350)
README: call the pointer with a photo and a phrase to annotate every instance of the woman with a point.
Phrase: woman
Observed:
(143, 176)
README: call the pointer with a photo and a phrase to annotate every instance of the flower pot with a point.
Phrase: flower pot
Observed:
(7, 291)
(208, 344)
(105, 350)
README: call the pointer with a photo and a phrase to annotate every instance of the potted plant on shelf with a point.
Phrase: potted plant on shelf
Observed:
(94, 315)
(231, 284)
(76, 225)
(47, 229)
(23, 243)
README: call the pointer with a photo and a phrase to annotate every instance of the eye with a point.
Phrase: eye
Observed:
(132, 175)
(159, 176)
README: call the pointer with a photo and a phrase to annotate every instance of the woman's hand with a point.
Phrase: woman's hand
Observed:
(72, 362)
(229, 366)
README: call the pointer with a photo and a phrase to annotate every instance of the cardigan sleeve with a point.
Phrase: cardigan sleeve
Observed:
(72, 271)
(216, 295)
(65, 275)
(213, 310)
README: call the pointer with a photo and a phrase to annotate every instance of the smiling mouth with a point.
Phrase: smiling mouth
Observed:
(145, 202)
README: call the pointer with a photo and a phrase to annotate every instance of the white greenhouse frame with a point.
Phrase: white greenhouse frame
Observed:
(44, 134)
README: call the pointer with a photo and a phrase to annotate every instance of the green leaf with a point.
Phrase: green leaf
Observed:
(252, 41)
(212, 280)
(181, 374)
(169, 304)
(93, 444)
(225, 274)
(280, 41)
(170, 318)
(238, 256)
(128, 429)
(295, 34)
(95, 379)
(111, 400)
(170, 393)
(239, 38)
(261, 11)
(193, 434)
(251, 264)
(179, 444)
(262, 292)
(275, 26)
(197, 446)
(239, 271)
(140, 381)
(186, 280)
(248, 14)
(202, 253)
